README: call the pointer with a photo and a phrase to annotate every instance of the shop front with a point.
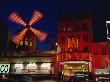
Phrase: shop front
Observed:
(32, 68)
(75, 71)
(102, 75)
(29, 66)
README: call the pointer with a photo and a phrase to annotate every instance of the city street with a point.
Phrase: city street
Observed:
(46, 81)
(54, 41)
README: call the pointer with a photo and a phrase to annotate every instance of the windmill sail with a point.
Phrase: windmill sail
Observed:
(14, 17)
(35, 17)
(40, 35)
(19, 36)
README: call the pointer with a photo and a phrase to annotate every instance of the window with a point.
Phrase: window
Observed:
(85, 49)
(69, 29)
(62, 29)
(84, 27)
(85, 37)
(77, 27)
(26, 42)
(21, 43)
(62, 39)
(30, 43)
(78, 37)
(95, 51)
(103, 51)
(63, 49)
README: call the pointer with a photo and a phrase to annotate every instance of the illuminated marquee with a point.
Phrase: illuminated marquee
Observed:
(31, 68)
(71, 69)
(4, 68)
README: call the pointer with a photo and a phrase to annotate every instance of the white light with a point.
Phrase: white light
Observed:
(85, 62)
(46, 65)
(56, 44)
(31, 66)
(107, 21)
(19, 66)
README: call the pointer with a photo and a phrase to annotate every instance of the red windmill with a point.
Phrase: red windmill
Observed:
(26, 38)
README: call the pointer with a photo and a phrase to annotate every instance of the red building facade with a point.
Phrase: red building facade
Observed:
(76, 48)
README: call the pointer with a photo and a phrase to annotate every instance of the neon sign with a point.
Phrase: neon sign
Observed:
(31, 68)
(72, 43)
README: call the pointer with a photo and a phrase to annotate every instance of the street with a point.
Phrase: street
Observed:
(46, 81)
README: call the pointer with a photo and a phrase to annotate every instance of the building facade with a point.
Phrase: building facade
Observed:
(4, 37)
(77, 49)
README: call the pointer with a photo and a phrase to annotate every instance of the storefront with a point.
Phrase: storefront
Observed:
(32, 68)
(36, 67)
(75, 70)
(102, 75)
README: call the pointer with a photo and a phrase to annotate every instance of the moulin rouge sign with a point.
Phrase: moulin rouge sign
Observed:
(74, 56)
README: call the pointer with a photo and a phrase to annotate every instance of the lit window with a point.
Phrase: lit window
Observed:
(21, 43)
(30, 43)
(69, 29)
(26, 42)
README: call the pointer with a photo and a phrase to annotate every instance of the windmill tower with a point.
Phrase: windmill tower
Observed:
(26, 38)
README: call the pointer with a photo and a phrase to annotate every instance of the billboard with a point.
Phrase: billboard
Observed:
(32, 68)
(108, 29)
(4, 68)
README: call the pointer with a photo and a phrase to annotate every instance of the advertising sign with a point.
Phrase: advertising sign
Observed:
(70, 69)
(43, 68)
(108, 29)
(4, 68)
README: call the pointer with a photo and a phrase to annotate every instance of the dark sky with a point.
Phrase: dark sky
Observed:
(52, 9)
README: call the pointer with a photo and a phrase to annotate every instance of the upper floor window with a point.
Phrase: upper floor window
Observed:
(62, 29)
(26, 42)
(21, 43)
(85, 49)
(62, 39)
(103, 51)
(84, 27)
(85, 37)
(95, 51)
(77, 27)
(69, 29)
(78, 36)
(30, 43)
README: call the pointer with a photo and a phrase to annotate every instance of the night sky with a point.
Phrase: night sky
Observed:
(52, 9)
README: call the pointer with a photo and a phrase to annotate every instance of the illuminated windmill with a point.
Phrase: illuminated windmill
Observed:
(26, 38)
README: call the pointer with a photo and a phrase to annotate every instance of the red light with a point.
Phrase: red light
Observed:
(14, 17)
(40, 35)
(18, 37)
(35, 17)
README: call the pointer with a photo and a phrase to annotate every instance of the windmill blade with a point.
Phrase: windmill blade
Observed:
(19, 36)
(14, 17)
(40, 35)
(35, 17)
